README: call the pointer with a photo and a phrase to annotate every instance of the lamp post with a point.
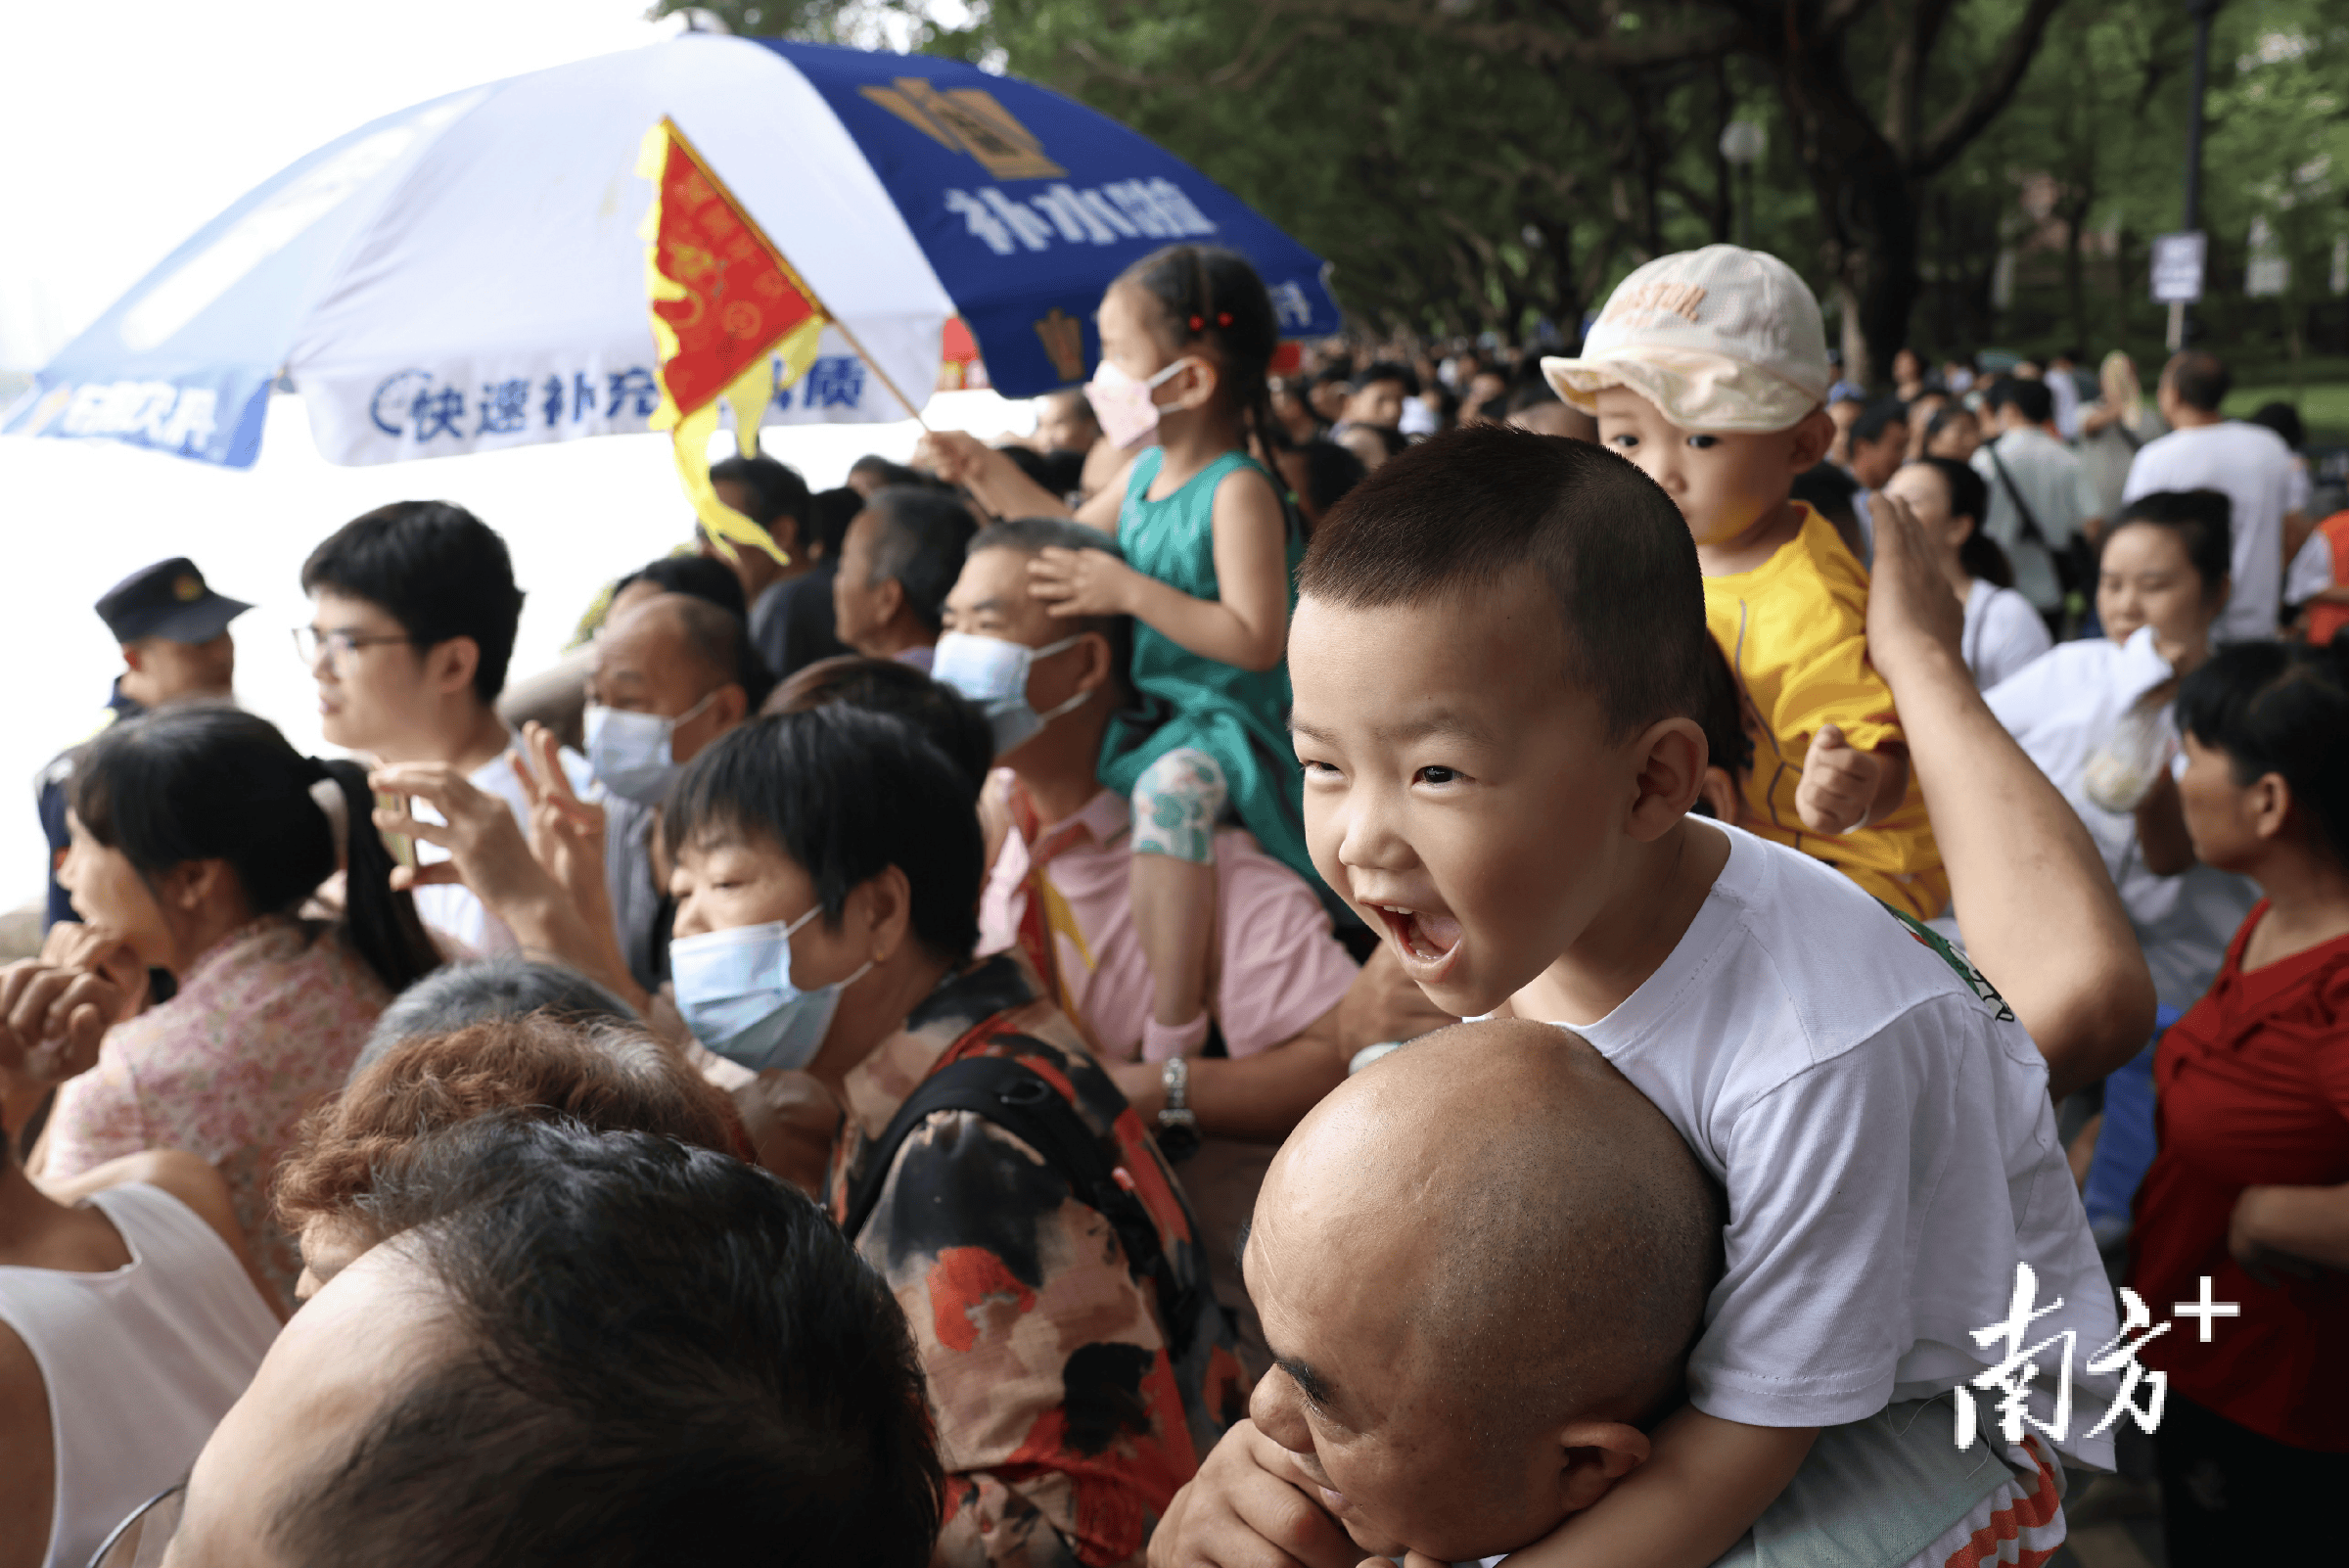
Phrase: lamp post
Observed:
(1742, 143)
(2201, 11)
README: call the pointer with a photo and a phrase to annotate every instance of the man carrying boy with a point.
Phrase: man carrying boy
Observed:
(1523, 1358)
(1709, 369)
(413, 615)
(1496, 657)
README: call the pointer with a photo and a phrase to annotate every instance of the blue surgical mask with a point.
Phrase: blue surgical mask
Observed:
(632, 755)
(993, 673)
(735, 990)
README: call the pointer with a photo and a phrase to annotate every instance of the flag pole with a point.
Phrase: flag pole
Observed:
(831, 319)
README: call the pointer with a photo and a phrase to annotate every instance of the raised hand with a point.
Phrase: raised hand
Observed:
(1912, 613)
(567, 833)
(52, 1020)
(486, 851)
(1083, 583)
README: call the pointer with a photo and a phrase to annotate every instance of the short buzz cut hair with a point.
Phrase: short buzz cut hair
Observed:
(1034, 536)
(2201, 379)
(1877, 418)
(920, 545)
(720, 639)
(2029, 398)
(1476, 506)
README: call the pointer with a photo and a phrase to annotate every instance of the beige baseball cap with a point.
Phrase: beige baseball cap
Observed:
(1721, 338)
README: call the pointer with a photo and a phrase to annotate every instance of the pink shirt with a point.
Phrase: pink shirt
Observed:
(1281, 969)
(266, 1025)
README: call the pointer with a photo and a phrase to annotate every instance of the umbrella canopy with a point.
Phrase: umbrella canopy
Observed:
(467, 274)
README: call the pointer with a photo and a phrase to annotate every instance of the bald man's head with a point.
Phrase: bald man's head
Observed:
(1481, 1264)
(708, 643)
(679, 658)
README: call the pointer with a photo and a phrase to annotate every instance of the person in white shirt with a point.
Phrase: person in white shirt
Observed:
(2003, 631)
(413, 615)
(2063, 384)
(130, 1317)
(2248, 463)
(2041, 500)
(2096, 716)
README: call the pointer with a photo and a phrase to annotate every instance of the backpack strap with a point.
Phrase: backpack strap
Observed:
(2030, 529)
(1021, 1101)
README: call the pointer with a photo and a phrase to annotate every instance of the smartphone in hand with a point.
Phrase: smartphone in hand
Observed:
(402, 847)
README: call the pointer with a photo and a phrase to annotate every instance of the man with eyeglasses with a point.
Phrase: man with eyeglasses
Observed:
(173, 630)
(413, 615)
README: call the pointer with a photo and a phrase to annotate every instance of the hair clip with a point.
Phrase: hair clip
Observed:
(1198, 323)
(1223, 319)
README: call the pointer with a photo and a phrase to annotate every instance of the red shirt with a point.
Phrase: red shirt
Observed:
(2253, 1087)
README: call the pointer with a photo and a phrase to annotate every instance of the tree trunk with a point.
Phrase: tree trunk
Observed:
(1863, 195)
(2075, 283)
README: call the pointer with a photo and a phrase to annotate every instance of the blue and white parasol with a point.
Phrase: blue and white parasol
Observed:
(466, 274)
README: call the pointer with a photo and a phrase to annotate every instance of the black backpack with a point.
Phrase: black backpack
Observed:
(1021, 1102)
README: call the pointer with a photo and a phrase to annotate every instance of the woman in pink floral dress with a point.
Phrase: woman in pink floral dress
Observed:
(198, 833)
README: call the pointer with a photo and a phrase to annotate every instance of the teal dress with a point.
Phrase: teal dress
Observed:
(1240, 717)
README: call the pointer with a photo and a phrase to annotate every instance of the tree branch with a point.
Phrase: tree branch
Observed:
(1836, 17)
(1961, 125)
(1545, 45)
(1905, 74)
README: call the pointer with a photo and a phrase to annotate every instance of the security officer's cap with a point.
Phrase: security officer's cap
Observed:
(169, 600)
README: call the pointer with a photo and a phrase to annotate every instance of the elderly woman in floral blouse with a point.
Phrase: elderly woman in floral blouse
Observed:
(198, 834)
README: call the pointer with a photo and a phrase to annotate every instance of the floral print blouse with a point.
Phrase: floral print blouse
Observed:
(266, 1025)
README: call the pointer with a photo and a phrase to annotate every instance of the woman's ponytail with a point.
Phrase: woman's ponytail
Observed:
(382, 920)
(201, 781)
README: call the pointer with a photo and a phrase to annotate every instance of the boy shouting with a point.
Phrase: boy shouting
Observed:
(1498, 662)
(1709, 370)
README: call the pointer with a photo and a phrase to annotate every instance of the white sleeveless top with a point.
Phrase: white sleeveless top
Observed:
(141, 1361)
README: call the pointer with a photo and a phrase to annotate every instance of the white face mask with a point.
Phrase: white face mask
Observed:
(992, 673)
(633, 754)
(1122, 403)
(735, 990)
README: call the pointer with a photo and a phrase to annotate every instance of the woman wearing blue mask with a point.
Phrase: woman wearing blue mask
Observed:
(828, 868)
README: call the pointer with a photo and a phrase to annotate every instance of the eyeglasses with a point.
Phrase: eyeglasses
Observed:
(309, 642)
(140, 1541)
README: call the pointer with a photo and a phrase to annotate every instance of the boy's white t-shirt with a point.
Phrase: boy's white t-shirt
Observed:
(1884, 1135)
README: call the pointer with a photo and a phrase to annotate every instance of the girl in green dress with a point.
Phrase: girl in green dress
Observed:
(1187, 336)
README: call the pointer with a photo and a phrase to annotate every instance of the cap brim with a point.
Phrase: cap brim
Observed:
(200, 622)
(1695, 390)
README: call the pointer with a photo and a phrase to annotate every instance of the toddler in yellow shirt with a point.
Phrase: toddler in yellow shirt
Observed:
(1709, 370)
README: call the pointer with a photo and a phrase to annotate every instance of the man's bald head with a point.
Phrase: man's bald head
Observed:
(1480, 1265)
(1557, 1236)
(706, 643)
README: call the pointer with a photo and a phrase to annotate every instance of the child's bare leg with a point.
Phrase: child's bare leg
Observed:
(1176, 803)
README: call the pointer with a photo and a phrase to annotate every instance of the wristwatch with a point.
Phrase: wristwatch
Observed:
(1177, 1122)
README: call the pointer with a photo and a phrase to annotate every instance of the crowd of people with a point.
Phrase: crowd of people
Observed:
(1419, 955)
